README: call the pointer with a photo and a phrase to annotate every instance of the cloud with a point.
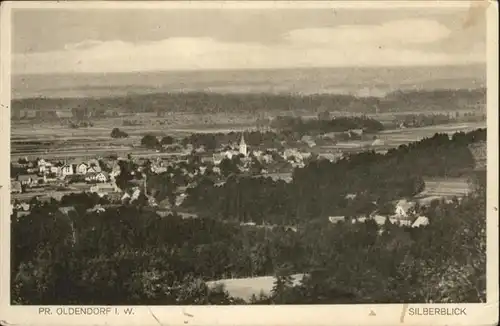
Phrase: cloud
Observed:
(391, 33)
(406, 43)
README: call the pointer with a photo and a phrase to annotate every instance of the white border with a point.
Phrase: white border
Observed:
(477, 314)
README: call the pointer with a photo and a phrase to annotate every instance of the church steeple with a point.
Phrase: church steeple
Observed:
(243, 145)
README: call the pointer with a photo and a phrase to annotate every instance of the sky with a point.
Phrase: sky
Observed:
(46, 41)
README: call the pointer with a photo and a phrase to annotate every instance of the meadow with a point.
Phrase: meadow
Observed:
(53, 140)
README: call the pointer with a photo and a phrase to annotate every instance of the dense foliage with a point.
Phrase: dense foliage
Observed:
(131, 255)
(323, 126)
(150, 141)
(201, 102)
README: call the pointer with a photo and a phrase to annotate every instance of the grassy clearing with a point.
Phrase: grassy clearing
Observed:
(446, 187)
(244, 288)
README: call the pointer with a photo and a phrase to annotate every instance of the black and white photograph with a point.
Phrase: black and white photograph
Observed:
(220, 155)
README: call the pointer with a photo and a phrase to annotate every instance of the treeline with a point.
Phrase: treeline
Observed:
(423, 120)
(256, 139)
(129, 255)
(323, 126)
(250, 102)
(322, 188)
(213, 141)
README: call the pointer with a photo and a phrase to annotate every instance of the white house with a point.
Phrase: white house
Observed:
(103, 189)
(400, 222)
(402, 208)
(93, 169)
(41, 162)
(82, 168)
(28, 179)
(43, 166)
(97, 177)
(67, 169)
(97, 209)
(420, 221)
(15, 187)
(336, 219)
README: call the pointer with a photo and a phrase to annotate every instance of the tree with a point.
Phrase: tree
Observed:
(123, 179)
(387, 208)
(117, 133)
(282, 286)
(167, 140)
(150, 141)
(228, 166)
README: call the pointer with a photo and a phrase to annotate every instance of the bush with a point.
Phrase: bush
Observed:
(167, 140)
(150, 141)
(117, 133)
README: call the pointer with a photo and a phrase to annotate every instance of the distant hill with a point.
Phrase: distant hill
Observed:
(356, 81)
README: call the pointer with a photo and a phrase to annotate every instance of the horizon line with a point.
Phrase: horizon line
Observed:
(472, 64)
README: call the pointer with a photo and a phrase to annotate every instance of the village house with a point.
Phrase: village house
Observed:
(97, 177)
(403, 207)
(45, 168)
(357, 132)
(68, 169)
(82, 168)
(28, 179)
(332, 157)
(41, 162)
(133, 195)
(96, 209)
(20, 214)
(22, 206)
(104, 188)
(94, 169)
(336, 219)
(16, 187)
(420, 221)
(158, 169)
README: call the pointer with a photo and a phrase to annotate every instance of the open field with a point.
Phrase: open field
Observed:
(244, 288)
(446, 187)
(401, 136)
(53, 140)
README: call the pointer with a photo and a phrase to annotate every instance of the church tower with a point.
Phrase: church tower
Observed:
(243, 146)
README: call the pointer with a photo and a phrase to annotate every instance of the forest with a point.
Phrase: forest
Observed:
(129, 255)
(205, 102)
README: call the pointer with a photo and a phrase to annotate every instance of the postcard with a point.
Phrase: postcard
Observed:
(249, 163)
